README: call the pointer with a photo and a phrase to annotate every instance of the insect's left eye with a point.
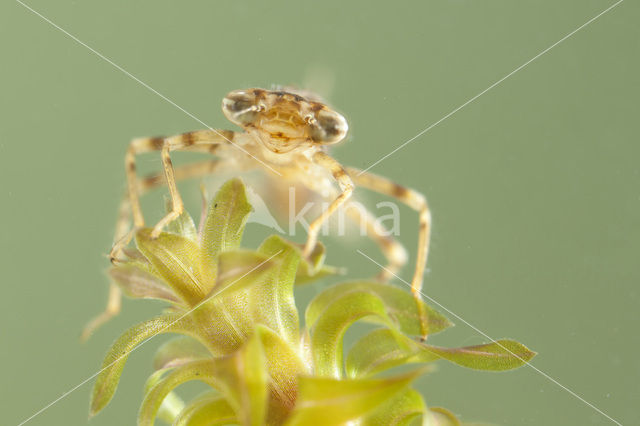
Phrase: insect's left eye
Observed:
(240, 107)
(328, 127)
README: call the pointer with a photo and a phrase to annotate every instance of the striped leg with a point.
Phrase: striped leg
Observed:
(199, 141)
(346, 185)
(416, 201)
(146, 184)
(394, 251)
(183, 142)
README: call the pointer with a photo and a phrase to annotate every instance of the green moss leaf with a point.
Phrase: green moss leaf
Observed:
(251, 369)
(113, 364)
(438, 416)
(504, 354)
(138, 282)
(209, 410)
(327, 401)
(382, 349)
(402, 409)
(172, 404)
(183, 226)
(400, 306)
(330, 326)
(227, 217)
(314, 268)
(271, 303)
(203, 370)
(240, 377)
(180, 262)
(264, 296)
(284, 365)
(378, 351)
(238, 270)
(178, 351)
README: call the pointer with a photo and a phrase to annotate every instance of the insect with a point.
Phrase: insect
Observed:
(287, 134)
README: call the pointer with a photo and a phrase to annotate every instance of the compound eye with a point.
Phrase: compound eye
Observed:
(240, 107)
(328, 127)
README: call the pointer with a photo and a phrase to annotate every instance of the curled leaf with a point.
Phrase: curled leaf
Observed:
(500, 355)
(113, 364)
(178, 351)
(284, 366)
(313, 269)
(382, 349)
(271, 303)
(210, 410)
(226, 219)
(240, 377)
(155, 395)
(438, 416)
(329, 328)
(137, 282)
(333, 401)
(179, 262)
(400, 305)
(172, 404)
(183, 226)
(251, 369)
(240, 269)
(378, 351)
(402, 409)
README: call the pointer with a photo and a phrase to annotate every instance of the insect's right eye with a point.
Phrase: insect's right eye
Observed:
(240, 107)
(328, 127)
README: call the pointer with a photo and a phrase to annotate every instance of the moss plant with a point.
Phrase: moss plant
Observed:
(238, 331)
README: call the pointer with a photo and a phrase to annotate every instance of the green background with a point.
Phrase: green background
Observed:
(534, 186)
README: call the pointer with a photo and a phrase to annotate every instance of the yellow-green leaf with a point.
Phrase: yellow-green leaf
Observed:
(251, 365)
(240, 377)
(271, 302)
(226, 219)
(400, 306)
(500, 355)
(113, 364)
(314, 268)
(328, 401)
(438, 416)
(178, 351)
(328, 330)
(209, 410)
(382, 349)
(401, 409)
(183, 226)
(378, 351)
(172, 404)
(284, 365)
(240, 269)
(180, 262)
(203, 370)
(137, 282)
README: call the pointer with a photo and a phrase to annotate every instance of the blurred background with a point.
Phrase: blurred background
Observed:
(534, 186)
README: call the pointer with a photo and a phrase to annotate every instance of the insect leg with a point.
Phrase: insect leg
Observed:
(411, 198)
(146, 184)
(207, 141)
(346, 186)
(185, 142)
(394, 251)
(200, 141)
(114, 303)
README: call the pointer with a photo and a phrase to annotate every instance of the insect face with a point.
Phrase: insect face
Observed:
(284, 120)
